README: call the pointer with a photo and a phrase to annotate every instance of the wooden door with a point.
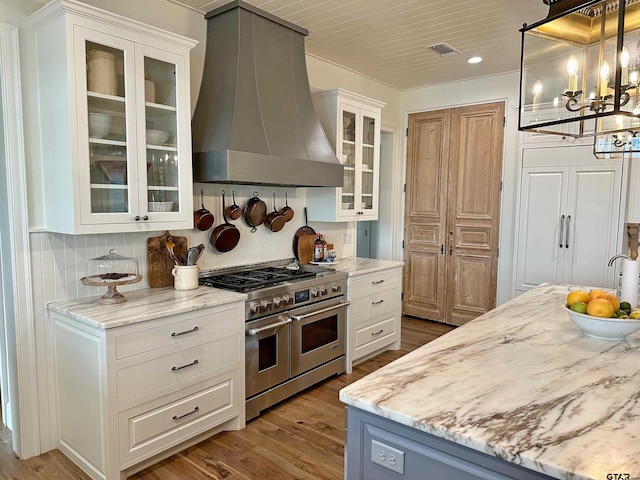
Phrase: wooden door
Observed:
(475, 170)
(452, 210)
(425, 215)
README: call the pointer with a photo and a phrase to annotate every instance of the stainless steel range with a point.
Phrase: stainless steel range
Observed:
(295, 334)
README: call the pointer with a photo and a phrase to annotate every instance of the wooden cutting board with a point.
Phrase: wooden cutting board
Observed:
(305, 248)
(159, 260)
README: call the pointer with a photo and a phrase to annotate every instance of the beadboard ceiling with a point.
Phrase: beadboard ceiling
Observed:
(389, 40)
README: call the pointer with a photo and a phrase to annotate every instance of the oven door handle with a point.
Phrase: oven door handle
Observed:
(255, 331)
(318, 312)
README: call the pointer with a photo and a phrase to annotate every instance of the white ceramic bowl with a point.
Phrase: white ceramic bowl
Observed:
(160, 206)
(99, 125)
(157, 137)
(603, 328)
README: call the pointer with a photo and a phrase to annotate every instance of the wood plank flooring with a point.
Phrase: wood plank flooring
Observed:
(300, 438)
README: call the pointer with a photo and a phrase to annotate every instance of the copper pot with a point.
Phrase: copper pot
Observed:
(255, 212)
(225, 236)
(275, 220)
(203, 218)
(286, 211)
(233, 211)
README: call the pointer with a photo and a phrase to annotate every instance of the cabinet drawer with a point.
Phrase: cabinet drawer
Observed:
(152, 428)
(167, 373)
(379, 303)
(363, 285)
(377, 333)
(182, 328)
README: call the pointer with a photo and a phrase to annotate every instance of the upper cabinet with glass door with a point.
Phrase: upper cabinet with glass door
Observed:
(115, 122)
(352, 123)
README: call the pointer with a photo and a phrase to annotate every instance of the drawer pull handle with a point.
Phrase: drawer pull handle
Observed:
(379, 282)
(180, 417)
(175, 369)
(177, 334)
(373, 334)
(378, 302)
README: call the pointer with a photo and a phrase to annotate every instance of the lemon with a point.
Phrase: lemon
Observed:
(577, 296)
(600, 307)
(613, 300)
(635, 314)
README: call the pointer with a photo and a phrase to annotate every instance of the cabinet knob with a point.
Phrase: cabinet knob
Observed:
(137, 218)
(145, 218)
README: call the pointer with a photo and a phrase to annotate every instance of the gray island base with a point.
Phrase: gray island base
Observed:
(517, 393)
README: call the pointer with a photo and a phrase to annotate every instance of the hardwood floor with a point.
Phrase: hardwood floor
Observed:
(300, 438)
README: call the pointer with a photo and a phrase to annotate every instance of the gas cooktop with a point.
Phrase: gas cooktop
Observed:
(254, 279)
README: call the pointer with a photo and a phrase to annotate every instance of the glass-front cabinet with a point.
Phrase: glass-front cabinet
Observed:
(122, 153)
(352, 123)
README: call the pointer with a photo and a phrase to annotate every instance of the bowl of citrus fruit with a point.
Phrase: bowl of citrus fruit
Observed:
(599, 314)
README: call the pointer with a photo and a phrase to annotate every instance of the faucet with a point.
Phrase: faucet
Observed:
(620, 255)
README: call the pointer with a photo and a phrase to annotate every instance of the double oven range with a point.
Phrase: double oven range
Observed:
(295, 330)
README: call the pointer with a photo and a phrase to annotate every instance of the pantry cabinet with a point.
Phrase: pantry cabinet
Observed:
(569, 217)
(352, 123)
(115, 122)
(133, 393)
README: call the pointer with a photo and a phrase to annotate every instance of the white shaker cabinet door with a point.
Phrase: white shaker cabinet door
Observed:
(593, 205)
(542, 201)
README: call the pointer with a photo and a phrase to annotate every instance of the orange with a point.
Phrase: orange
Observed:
(594, 293)
(577, 296)
(613, 300)
(600, 307)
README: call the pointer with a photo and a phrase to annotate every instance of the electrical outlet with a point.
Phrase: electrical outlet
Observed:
(387, 457)
(347, 237)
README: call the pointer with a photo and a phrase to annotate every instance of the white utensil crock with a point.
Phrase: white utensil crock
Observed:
(185, 277)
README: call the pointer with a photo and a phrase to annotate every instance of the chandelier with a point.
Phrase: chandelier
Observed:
(580, 74)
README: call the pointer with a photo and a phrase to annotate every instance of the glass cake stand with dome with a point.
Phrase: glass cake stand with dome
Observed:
(111, 271)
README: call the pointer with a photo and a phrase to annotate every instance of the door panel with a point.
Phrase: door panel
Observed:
(474, 207)
(593, 194)
(541, 209)
(425, 215)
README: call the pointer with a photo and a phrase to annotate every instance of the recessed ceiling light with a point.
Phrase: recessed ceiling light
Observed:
(475, 60)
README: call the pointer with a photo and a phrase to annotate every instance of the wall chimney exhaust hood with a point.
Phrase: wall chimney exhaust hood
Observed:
(254, 121)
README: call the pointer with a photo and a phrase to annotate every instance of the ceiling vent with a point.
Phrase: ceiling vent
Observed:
(444, 49)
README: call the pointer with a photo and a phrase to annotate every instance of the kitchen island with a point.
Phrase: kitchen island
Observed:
(517, 393)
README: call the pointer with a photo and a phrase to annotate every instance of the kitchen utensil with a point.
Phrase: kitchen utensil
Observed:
(225, 236)
(193, 254)
(174, 257)
(203, 218)
(305, 230)
(305, 249)
(233, 211)
(255, 212)
(159, 261)
(286, 211)
(275, 220)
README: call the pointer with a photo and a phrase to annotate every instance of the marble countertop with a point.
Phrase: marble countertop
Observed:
(521, 383)
(360, 266)
(144, 304)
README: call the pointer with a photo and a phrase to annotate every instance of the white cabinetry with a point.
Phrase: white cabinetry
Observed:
(569, 217)
(352, 123)
(104, 82)
(375, 312)
(132, 394)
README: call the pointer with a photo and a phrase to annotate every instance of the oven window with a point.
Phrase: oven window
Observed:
(319, 333)
(267, 352)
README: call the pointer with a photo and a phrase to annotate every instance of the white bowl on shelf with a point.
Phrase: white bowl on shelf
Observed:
(99, 125)
(157, 137)
(603, 328)
(160, 206)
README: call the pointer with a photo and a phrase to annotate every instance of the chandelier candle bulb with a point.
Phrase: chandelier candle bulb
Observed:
(604, 79)
(572, 70)
(624, 62)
